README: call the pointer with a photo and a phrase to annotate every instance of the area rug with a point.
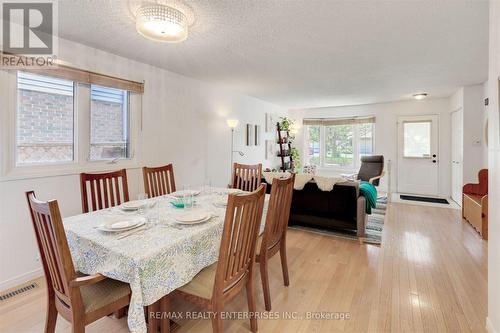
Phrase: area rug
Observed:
(375, 223)
(373, 229)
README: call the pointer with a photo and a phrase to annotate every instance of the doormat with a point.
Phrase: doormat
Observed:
(424, 199)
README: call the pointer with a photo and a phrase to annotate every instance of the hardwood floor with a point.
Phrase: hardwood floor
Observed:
(429, 275)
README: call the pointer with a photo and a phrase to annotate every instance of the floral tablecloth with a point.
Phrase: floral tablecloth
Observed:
(156, 261)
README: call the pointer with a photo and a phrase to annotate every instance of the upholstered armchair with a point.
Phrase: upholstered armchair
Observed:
(372, 169)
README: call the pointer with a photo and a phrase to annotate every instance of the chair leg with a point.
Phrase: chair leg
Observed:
(251, 303)
(120, 313)
(217, 324)
(284, 263)
(265, 283)
(78, 327)
(51, 316)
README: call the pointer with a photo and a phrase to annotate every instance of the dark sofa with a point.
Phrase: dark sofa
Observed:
(341, 209)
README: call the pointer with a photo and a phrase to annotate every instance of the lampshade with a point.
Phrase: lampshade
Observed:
(162, 23)
(232, 123)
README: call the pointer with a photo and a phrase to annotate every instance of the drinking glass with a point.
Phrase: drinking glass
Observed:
(153, 214)
(187, 197)
(141, 197)
(207, 187)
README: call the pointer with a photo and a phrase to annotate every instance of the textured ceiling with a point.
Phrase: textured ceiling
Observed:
(309, 53)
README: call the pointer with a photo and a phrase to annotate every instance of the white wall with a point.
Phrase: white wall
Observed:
(386, 130)
(184, 122)
(494, 171)
(470, 99)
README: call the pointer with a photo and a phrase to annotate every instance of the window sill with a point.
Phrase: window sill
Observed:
(68, 169)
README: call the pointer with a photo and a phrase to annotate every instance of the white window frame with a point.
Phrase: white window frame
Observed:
(322, 144)
(81, 163)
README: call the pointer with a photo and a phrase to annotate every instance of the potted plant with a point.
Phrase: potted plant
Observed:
(296, 158)
(285, 123)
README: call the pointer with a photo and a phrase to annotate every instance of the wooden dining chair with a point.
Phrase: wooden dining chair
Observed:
(274, 237)
(106, 189)
(159, 181)
(246, 177)
(79, 299)
(220, 282)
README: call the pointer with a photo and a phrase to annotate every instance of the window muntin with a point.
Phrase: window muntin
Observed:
(338, 146)
(45, 120)
(109, 123)
(417, 139)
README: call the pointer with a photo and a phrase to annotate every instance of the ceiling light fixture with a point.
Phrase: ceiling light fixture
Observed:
(162, 23)
(420, 96)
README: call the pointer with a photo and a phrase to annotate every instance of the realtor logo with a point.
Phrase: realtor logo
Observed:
(28, 31)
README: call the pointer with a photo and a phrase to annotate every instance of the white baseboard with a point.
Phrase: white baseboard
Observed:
(489, 326)
(20, 279)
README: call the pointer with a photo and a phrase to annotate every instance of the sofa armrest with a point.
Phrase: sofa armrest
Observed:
(361, 216)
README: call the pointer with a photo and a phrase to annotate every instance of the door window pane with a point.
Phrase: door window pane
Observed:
(44, 119)
(417, 139)
(109, 118)
(313, 145)
(338, 145)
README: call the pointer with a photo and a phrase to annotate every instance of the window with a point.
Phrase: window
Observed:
(338, 143)
(365, 142)
(66, 120)
(109, 119)
(313, 144)
(417, 139)
(45, 120)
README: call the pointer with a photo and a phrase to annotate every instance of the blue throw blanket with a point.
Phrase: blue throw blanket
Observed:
(370, 193)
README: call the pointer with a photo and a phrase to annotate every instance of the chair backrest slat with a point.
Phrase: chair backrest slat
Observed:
(53, 246)
(246, 177)
(159, 180)
(237, 249)
(102, 192)
(278, 213)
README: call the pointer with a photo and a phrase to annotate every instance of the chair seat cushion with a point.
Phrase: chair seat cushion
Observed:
(96, 296)
(202, 285)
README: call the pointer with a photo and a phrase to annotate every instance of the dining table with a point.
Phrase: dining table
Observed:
(156, 258)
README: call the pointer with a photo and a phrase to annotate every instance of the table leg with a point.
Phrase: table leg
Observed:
(165, 309)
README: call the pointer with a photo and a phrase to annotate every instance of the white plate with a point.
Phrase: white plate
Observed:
(194, 222)
(233, 190)
(192, 216)
(122, 225)
(182, 194)
(221, 203)
(133, 205)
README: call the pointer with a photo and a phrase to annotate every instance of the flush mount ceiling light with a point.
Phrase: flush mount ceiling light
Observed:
(162, 23)
(420, 96)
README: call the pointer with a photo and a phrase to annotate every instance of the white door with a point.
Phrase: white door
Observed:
(457, 149)
(418, 160)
